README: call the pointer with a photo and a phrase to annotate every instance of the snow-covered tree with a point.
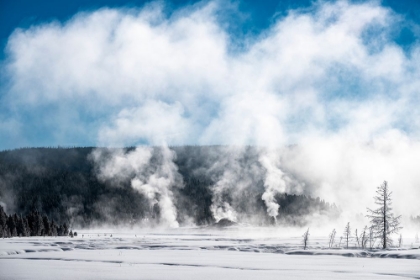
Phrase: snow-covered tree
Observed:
(332, 237)
(357, 238)
(371, 237)
(382, 219)
(347, 234)
(364, 237)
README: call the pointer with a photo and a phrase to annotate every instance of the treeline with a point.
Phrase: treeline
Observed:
(415, 220)
(33, 224)
(62, 183)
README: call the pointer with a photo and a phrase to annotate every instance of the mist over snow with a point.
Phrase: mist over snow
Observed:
(325, 93)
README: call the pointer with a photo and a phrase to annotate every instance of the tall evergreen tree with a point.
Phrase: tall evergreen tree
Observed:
(65, 229)
(59, 230)
(3, 222)
(12, 226)
(38, 224)
(47, 227)
(28, 230)
(53, 228)
(383, 222)
(21, 231)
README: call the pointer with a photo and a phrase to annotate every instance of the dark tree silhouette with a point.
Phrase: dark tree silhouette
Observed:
(305, 239)
(3, 222)
(47, 227)
(11, 224)
(22, 229)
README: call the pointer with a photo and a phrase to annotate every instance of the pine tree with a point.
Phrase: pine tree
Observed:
(47, 227)
(53, 227)
(28, 230)
(382, 219)
(3, 220)
(12, 226)
(39, 224)
(65, 229)
(31, 221)
(21, 229)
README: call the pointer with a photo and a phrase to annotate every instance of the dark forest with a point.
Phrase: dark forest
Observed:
(62, 184)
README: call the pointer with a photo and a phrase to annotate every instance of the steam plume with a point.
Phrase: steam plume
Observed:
(152, 173)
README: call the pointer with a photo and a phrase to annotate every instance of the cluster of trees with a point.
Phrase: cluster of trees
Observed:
(415, 220)
(63, 184)
(366, 239)
(33, 224)
(383, 224)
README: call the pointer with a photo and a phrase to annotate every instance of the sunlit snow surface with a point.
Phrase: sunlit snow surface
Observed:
(235, 253)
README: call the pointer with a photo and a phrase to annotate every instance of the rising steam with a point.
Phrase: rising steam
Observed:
(152, 173)
(275, 180)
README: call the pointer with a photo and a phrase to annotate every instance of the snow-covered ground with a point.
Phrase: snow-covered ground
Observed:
(236, 253)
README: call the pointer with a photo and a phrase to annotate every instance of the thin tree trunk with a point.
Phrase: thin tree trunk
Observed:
(384, 231)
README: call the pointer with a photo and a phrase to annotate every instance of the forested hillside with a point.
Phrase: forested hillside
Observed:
(63, 184)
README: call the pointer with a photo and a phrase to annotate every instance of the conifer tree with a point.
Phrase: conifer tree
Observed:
(47, 226)
(39, 224)
(59, 230)
(28, 230)
(383, 222)
(3, 222)
(12, 226)
(21, 229)
(65, 229)
(53, 227)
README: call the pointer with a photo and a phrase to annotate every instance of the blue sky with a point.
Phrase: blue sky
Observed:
(41, 108)
(24, 13)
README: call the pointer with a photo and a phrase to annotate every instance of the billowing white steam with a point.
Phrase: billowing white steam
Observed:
(275, 180)
(236, 173)
(153, 177)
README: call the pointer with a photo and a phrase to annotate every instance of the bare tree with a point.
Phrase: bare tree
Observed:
(364, 238)
(400, 241)
(357, 238)
(305, 239)
(371, 237)
(332, 237)
(347, 234)
(382, 219)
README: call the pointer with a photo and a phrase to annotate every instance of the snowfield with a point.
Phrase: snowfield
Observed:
(236, 253)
